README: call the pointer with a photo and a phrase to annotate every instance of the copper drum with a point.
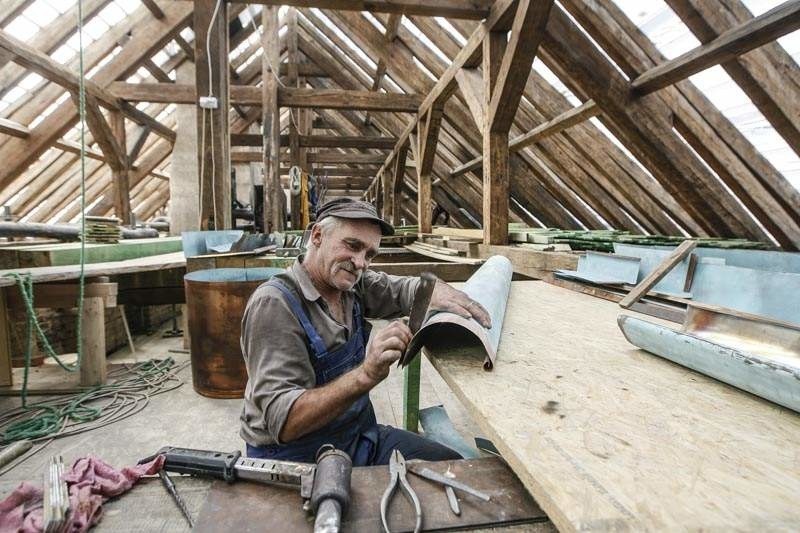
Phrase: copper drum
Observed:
(215, 302)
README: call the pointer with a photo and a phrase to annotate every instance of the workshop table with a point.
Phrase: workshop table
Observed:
(607, 436)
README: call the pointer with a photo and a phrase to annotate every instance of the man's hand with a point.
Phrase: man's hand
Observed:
(452, 300)
(385, 348)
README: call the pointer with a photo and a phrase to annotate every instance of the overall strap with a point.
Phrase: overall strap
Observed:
(297, 308)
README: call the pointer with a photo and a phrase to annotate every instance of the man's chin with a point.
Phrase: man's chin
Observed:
(344, 281)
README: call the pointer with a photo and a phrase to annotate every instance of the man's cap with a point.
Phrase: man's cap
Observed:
(354, 209)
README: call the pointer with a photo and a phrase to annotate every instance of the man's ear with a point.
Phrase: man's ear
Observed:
(316, 235)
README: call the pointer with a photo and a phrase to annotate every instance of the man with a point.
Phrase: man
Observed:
(304, 340)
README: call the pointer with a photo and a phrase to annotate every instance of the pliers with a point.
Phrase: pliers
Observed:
(397, 476)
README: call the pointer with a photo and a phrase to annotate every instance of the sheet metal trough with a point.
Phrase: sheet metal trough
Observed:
(489, 286)
(754, 353)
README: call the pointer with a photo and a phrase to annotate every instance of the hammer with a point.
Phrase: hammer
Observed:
(419, 307)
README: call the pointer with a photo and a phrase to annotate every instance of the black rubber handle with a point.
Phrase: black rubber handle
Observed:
(219, 465)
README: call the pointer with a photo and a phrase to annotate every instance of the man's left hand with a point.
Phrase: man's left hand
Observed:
(452, 300)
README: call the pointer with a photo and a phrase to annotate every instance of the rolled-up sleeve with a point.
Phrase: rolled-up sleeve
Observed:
(387, 296)
(278, 365)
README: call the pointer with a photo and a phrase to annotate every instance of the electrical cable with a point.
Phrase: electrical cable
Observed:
(128, 392)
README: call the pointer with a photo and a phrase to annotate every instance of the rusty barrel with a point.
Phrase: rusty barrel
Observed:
(215, 302)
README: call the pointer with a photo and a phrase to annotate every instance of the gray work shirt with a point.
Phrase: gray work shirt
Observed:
(275, 347)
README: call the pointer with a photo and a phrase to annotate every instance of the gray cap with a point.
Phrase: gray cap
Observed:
(355, 209)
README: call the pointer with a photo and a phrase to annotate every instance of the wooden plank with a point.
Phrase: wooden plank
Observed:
(466, 9)
(678, 254)
(319, 141)
(775, 23)
(601, 447)
(62, 296)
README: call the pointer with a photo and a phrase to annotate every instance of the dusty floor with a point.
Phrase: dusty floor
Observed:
(184, 418)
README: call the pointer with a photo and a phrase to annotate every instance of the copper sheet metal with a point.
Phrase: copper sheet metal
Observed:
(215, 302)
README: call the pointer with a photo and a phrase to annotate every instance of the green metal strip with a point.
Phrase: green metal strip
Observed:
(411, 375)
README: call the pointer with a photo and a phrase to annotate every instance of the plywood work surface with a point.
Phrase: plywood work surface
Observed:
(609, 437)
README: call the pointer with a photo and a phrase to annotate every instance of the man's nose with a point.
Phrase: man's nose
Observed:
(360, 260)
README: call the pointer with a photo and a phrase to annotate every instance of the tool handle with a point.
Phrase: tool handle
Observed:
(219, 465)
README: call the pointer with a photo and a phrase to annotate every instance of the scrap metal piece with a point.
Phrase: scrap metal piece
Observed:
(452, 500)
(14, 450)
(489, 286)
(754, 353)
(604, 269)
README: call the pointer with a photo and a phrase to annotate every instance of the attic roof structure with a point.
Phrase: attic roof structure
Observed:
(679, 117)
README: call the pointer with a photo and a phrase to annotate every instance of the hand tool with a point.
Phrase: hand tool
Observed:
(324, 486)
(173, 491)
(397, 476)
(419, 308)
(427, 473)
(56, 510)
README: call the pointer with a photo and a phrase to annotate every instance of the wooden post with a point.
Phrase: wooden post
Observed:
(270, 121)
(495, 149)
(93, 338)
(398, 174)
(213, 127)
(119, 177)
(5, 340)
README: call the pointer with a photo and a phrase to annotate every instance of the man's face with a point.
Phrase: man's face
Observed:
(346, 250)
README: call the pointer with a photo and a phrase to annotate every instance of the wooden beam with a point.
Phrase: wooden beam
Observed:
(156, 71)
(468, 56)
(465, 9)
(320, 141)
(274, 203)
(211, 73)
(304, 69)
(153, 8)
(75, 148)
(138, 144)
(526, 34)
(495, 147)
(51, 70)
(678, 254)
(114, 154)
(398, 174)
(120, 177)
(427, 139)
(9, 127)
(342, 99)
(756, 32)
(558, 124)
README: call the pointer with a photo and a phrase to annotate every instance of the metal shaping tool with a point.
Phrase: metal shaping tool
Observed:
(427, 473)
(397, 477)
(173, 491)
(56, 497)
(419, 309)
(452, 500)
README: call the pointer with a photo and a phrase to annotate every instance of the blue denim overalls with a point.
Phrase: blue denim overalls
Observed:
(355, 431)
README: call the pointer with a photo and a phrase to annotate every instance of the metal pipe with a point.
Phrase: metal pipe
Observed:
(63, 232)
(489, 286)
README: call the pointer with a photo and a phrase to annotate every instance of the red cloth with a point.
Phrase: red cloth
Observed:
(90, 482)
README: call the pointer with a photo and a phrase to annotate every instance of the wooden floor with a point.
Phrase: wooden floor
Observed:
(609, 437)
(184, 418)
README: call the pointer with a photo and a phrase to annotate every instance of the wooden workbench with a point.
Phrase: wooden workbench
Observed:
(606, 436)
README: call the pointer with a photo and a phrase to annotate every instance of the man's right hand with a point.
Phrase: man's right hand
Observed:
(385, 348)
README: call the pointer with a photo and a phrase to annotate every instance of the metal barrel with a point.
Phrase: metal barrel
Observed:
(215, 302)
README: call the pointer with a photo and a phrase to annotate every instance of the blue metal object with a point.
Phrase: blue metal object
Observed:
(774, 378)
(438, 427)
(206, 242)
(233, 274)
(651, 257)
(604, 269)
